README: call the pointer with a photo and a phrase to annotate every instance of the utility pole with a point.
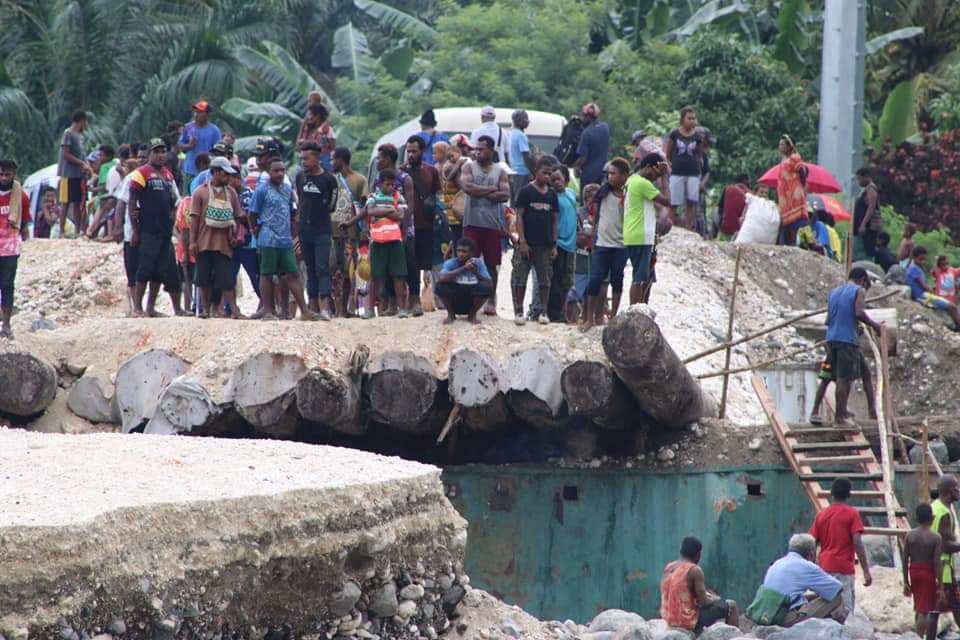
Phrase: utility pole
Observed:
(839, 147)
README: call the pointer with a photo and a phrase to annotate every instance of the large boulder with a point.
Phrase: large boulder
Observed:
(614, 620)
(720, 631)
(813, 629)
(28, 383)
(91, 398)
(859, 626)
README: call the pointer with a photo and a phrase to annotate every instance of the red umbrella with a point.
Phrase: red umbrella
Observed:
(831, 205)
(819, 180)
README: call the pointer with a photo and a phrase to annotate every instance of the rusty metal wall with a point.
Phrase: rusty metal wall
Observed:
(568, 543)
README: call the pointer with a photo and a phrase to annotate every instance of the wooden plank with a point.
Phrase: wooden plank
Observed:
(834, 459)
(779, 427)
(825, 475)
(857, 494)
(885, 531)
(879, 511)
(839, 431)
(821, 446)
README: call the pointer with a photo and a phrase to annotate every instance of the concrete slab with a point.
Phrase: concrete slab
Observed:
(195, 534)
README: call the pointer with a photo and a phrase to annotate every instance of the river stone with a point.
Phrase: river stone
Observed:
(672, 634)
(407, 609)
(721, 631)
(635, 631)
(343, 601)
(452, 597)
(879, 550)
(412, 592)
(614, 620)
(765, 632)
(859, 626)
(384, 603)
(814, 629)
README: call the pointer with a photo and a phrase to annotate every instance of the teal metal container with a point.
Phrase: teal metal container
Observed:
(568, 543)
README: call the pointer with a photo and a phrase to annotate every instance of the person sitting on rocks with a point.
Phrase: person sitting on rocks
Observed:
(685, 601)
(464, 283)
(921, 292)
(796, 573)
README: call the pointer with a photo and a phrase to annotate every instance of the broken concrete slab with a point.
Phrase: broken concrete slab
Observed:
(164, 532)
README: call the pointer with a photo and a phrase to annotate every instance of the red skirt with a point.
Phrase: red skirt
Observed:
(924, 586)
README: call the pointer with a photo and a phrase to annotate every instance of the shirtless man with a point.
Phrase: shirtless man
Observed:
(949, 493)
(922, 573)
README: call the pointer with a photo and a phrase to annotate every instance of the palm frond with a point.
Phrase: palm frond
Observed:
(397, 20)
(351, 52)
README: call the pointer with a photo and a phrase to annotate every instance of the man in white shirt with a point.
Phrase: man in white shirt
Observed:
(490, 128)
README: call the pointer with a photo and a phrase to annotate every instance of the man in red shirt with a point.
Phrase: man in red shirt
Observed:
(837, 530)
(14, 216)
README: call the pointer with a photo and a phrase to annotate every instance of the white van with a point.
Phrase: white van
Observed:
(544, 130)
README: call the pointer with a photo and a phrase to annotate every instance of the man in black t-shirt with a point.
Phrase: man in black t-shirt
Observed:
(153, 198)
(537, 215)
(317, 191)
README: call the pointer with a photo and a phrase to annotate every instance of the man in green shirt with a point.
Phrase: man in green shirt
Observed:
(640, 221)
(949, 492)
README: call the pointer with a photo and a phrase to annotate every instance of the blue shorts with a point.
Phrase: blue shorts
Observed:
(640, 257)
(578, 292)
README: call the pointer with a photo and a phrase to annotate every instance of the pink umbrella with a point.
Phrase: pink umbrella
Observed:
(819, 180)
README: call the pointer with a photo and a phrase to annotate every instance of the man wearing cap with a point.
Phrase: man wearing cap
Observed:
(593, 148)
(430, 135)
(521, 160)
(489, 127)
(198, 136)
(153, 201)
(220, 150)
(214, 210)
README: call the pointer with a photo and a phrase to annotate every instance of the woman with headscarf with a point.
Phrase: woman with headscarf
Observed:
(791, 191)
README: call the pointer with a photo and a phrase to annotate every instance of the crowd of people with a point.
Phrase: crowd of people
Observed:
(816, 578)
(316, 240)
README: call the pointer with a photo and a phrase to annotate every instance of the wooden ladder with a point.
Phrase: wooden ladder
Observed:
(815, 453)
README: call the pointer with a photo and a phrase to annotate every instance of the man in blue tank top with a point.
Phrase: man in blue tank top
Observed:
(846, 305)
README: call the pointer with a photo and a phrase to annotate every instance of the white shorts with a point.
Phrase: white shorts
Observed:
(684, 189)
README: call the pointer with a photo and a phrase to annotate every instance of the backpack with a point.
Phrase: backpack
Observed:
(769, 607)
(566, 149)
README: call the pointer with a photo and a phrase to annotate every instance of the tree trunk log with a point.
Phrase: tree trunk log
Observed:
(331, 398)
(593, 391)
(401, 389)
(28, 384)
(535, 395)
(140, 381)
(479, 383)
(263, 389)
(652, 372)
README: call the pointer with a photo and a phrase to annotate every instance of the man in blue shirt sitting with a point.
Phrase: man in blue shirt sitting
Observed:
(463, 283)
(795, 574)
(920, 290)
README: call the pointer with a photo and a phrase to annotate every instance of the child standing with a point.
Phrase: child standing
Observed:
(14, 224)
(537, 209)
(945, 278)
(388, 259)
(921, 571)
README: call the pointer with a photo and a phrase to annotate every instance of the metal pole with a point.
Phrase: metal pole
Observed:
(733, 307)
(841, 90)
(924, 466)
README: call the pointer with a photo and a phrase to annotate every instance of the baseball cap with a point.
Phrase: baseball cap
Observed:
(251, 163)
(266, 146)
(219, 149)
(591, 109)
(488, 112)
(201, 105)
(157, 143)
(223, 164)
(637, 136)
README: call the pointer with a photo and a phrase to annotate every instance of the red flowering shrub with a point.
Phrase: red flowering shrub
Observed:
(922, 181)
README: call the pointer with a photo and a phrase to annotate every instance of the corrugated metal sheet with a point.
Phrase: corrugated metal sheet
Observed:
(567, 543)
